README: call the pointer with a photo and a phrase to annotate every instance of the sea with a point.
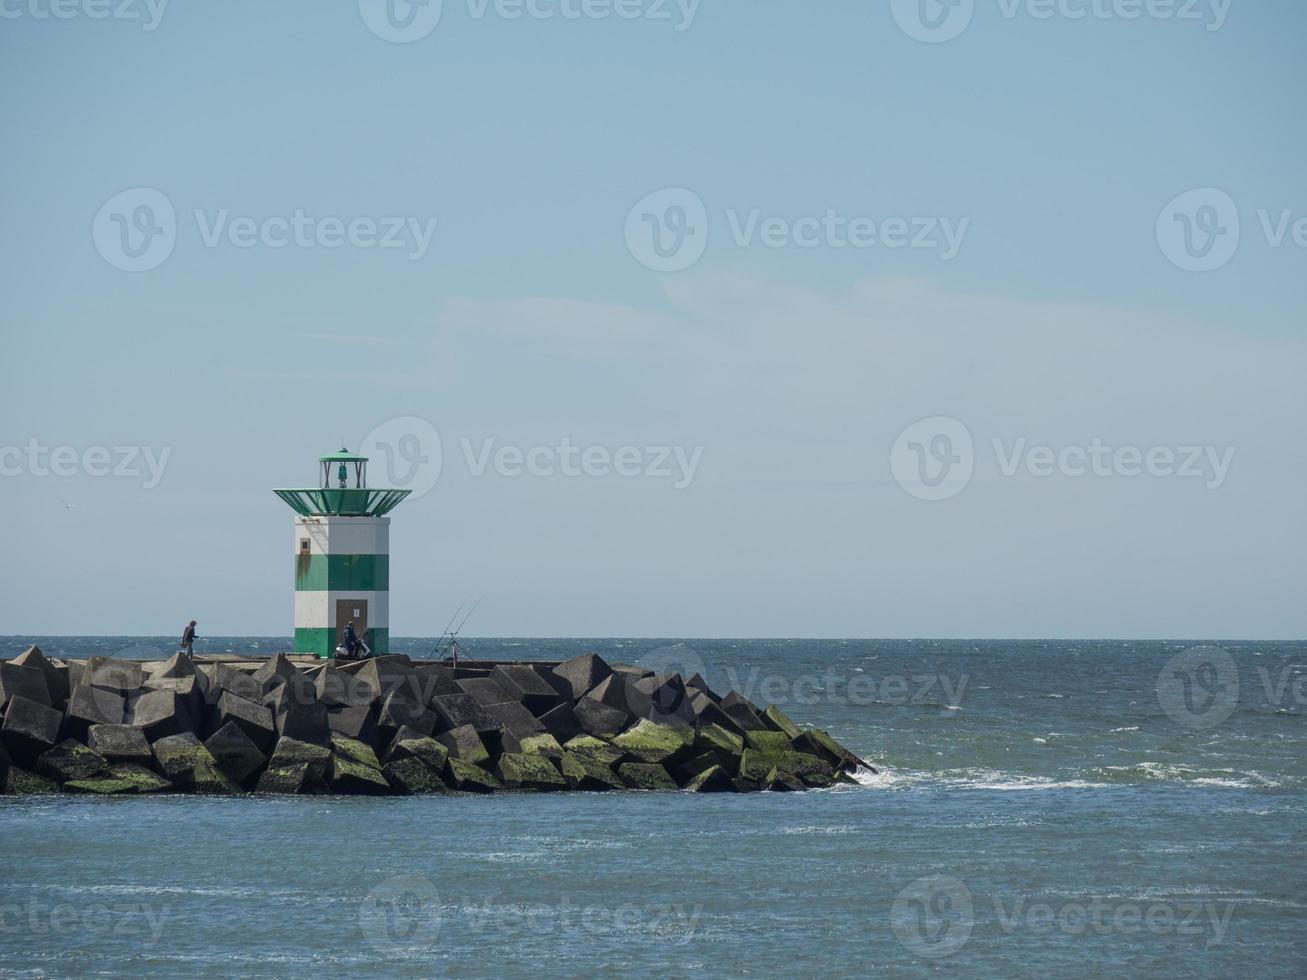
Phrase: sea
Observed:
(1038, 809)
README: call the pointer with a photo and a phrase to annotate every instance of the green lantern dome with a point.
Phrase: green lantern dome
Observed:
(343, 490)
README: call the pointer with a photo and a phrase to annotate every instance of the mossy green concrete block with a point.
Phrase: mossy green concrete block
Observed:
(779, 720)
(520, 771)
(717, 739)
(352, 748)
(648, 742)
(70, 760)
(587, 772)
(645, 775)
(353, 778)
(595, 748)
(412, 776)
(470, 778)
(20, 782)
(714, 779)
(768, 742)
(545, 745)
(126, 778)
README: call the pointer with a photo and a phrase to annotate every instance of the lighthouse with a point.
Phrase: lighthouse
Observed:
(342, 556)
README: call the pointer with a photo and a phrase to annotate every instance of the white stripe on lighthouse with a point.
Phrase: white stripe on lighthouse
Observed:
(343, 535)
(316, 610)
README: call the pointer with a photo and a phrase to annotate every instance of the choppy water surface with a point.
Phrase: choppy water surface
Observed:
(1043, 809)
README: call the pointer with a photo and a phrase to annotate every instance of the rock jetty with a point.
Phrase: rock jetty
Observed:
(390, 726)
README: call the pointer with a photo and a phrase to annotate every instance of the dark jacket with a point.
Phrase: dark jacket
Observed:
(188, 635)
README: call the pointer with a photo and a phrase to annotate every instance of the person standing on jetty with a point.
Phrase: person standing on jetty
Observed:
(188, 637)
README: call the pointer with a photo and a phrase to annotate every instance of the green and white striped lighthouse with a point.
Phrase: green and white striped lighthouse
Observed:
(342, 557)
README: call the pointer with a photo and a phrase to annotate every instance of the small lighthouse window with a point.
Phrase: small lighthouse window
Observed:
(304, 544)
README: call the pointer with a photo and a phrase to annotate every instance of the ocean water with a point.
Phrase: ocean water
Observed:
(1057, 809)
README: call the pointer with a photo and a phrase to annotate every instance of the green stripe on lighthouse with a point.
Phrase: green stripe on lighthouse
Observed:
(342, 573)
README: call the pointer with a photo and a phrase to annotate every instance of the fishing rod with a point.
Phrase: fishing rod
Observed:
(453, 637)
(445, 631)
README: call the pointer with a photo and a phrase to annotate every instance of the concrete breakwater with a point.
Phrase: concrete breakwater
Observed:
(390, 725)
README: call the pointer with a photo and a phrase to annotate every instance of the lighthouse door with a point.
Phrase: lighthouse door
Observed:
(352, 611)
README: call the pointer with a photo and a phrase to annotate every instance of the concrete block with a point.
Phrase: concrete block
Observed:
(410, 743)
(70, 760)
(483, 691)
(411, 777)
(465, 745)
(338, 688)
(515, 719)
(122, 779)
(115, 675)
(584, 772)
(29, 729)
(743, 713)
(770, 742)
(297, 779)
(304, 722)
(469, 778)
(595, 748)
(160, 714)
(88, 705)
(582, 673)
(398, 711)
(561, 722)
(436, 681)
(669, 701)
(175, 756)
(696, 683)
(386, 675)
(351, 777)
(597, 718)
(357, 721)
(121, 744)
(17, 681)
(234, 753)
(529, 772)
(20, 782)
(819, 743)
(352, 748)
(291, 752)
(645, 775)
(779, 721)
(191, 690)
(526, 687)
(253, 718)
(224, 678)
(651, 742)
(275, 670)
(619, 692)
(722, 745)
(456, 710)
(56, 675)
(714, 779)
(177, 666)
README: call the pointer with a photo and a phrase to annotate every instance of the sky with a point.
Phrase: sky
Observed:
(852, 319)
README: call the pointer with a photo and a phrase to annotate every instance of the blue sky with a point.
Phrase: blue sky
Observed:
(1054, 144)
